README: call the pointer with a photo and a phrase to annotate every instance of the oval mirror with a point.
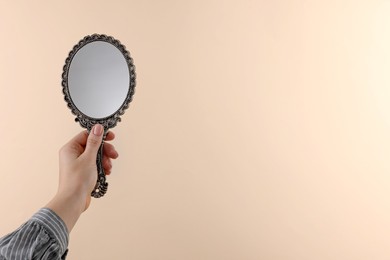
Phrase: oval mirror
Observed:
(98, 82)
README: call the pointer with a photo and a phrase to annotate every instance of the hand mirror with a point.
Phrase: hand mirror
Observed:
(98, 82)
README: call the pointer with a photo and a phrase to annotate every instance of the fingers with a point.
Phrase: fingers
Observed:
(110, 151)
(110, 136)
(107, 165)
(90, 143)
(82, 137)
(94, 140)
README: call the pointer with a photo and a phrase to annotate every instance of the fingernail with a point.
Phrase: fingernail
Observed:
(98, 130)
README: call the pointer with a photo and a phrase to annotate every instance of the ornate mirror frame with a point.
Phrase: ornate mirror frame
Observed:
(109, 121)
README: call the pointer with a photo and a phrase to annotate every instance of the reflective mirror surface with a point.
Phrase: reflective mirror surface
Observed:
(98, 79)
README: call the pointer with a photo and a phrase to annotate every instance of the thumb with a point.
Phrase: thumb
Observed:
(94, 140)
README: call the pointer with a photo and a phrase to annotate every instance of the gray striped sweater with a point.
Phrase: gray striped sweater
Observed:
(43, 236)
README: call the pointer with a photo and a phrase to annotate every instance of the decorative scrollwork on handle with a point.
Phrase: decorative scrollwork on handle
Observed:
(101, 184)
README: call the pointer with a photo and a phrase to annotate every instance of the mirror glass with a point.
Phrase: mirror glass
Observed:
(98, 79)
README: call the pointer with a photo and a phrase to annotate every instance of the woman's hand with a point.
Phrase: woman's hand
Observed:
(78, 173)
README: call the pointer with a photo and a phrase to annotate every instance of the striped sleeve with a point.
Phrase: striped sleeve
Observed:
(43, 236)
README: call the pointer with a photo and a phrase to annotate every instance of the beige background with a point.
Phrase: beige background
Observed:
(259, 129)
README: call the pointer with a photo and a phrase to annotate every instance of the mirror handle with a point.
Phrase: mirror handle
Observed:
(101, 184)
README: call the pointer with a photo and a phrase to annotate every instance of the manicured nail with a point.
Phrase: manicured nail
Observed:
(98, 130)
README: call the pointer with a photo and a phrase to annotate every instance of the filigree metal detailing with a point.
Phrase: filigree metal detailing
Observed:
(101, 184)
(107, 122)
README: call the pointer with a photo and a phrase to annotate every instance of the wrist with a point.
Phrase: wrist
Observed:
(68, 206)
